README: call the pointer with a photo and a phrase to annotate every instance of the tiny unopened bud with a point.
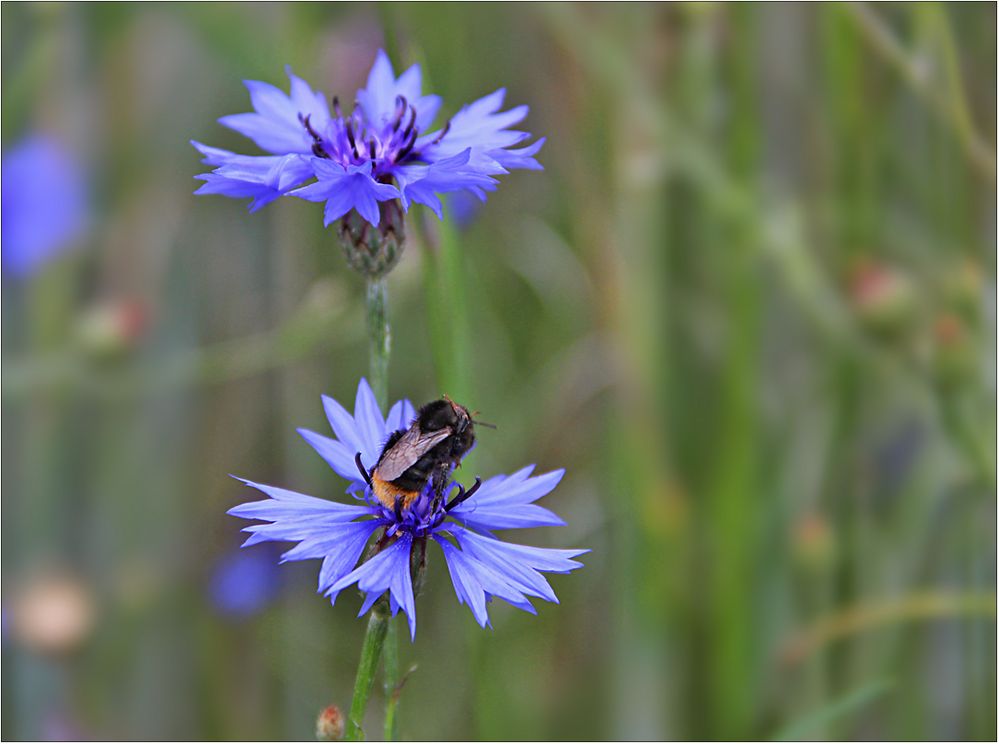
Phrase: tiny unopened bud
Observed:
(814, 546)
(882, 297)
(111, 327)
(953, 351)
(329, 724)
(374, 251)
(964, 288)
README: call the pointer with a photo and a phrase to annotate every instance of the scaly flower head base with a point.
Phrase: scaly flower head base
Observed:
(481, 566)
(374, 251)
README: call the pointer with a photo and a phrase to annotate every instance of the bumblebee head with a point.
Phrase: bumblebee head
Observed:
(446, 414)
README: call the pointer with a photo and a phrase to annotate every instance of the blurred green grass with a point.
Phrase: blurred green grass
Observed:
(749, 305)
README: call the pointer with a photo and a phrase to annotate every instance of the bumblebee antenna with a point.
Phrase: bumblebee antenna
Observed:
(481, 423)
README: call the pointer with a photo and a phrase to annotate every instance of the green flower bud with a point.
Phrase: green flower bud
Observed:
(374, 251)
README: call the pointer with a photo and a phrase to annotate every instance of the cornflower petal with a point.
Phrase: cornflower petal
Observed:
(370, 422)
(285, 504)
(475, 582)
(337, 455)
(506, 502)
(387, 571)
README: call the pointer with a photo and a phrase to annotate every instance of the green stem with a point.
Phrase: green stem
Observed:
(379, 338)
(371, 651)
(380, 624)
(392, 682)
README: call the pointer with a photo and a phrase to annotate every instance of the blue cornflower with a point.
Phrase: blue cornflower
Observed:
(245, 582)
(45, 204)
(381, 156)
(481, 565)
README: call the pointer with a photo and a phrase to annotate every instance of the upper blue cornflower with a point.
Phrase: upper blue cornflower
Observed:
(481, 565)
(45, 204)
(383, 150)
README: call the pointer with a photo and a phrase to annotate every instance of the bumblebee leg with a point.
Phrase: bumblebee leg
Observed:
(463, 494)
(398, 508)
(361, 469)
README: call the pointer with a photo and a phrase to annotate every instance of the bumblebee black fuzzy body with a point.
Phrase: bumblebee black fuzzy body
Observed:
(433, 445)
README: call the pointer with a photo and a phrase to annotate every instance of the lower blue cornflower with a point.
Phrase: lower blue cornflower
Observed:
(481, 565)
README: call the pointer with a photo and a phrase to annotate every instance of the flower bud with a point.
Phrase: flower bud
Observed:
(813, 544)
(374, 251)
(953, 350)
(329, 724)
(882, 297)
(112, 327)
(963, 289)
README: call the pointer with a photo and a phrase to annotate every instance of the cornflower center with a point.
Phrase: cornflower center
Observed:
(353, 140)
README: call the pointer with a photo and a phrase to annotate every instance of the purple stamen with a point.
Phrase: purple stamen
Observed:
(463, 495)
(412, 121)
(408, 146)
(400, 110)
(350, 138)
(443, 134)
(317, 142)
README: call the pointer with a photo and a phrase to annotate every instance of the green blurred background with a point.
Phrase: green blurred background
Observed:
(750, 306)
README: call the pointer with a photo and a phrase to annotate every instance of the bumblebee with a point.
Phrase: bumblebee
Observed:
(433, 445)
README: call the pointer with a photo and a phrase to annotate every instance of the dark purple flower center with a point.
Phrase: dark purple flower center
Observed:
(353, 140)
(424, 514)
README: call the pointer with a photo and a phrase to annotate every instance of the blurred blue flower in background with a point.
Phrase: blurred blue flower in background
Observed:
(381, 151)
(481, 566)
(45, 204)
(244, 582)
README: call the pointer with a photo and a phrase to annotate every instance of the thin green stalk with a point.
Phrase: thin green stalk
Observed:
(379, 338)
(392, 681)
(381, 625)
(371, 651)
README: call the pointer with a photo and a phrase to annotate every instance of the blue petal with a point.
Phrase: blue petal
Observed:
(505, 502)
(285, 504)
(386, 571)
(338, 564)
(519, 564)
(369, 419)
(344, 427)
(261, 177)
(475, 582)
(347, 188)
(275, 125)
(378, 98)
(330, 540)
(336, 454)
(400, 416)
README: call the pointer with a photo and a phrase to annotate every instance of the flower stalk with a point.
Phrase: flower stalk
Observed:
(380, 625)
(371, 651)
(379, 338)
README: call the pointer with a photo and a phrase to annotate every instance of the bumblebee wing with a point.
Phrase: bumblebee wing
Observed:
(409, 448)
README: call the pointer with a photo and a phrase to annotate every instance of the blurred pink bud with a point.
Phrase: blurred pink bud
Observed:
(329, 724)
(52, 614)
(882, 296)
(112, 326)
